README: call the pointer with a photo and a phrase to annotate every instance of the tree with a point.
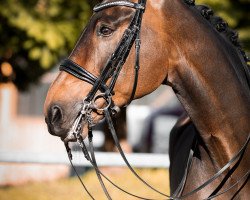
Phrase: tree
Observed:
(35, 34)
(236, 13)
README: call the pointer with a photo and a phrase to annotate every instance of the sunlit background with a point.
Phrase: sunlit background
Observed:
(35, 35)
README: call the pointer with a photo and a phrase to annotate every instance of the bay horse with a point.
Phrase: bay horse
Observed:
(184, 46)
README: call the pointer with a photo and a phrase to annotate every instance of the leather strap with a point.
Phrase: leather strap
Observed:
(84, 150)
(137, 62)
(92, 161)
(103, 6)
(215, 176)
(118, 58)
(246, 177)
(221, 171)
(180, 188)
(78, 176)
(117, 144)
(95, 166)
(92, 154)
(79, 72)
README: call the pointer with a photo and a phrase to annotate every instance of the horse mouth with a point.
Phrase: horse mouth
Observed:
(56, 130)
(71, 135)
(69, 138)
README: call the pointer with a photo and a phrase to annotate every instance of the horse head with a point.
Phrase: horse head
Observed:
(95, 47)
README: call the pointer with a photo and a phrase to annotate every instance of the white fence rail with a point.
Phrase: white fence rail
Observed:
(140, 160)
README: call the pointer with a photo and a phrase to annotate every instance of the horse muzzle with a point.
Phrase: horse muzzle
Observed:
(55, 121)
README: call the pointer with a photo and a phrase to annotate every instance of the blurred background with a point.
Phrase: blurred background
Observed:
(35, 35)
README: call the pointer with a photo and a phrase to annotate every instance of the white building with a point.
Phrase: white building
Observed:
(23, 130)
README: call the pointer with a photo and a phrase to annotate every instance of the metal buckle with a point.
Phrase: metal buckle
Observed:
(107, 98)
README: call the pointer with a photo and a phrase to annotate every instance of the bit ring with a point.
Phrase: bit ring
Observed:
(107, 99)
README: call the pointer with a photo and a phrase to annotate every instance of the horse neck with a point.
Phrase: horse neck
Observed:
(207, 82)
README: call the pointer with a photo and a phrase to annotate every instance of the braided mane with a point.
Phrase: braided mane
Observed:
(220, 25)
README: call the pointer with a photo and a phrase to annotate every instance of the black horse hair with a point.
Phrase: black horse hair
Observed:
(220, 25)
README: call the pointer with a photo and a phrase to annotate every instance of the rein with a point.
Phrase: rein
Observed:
(111, 71)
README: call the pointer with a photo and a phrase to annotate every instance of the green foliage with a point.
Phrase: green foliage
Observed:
(236, 13)
(35, 34)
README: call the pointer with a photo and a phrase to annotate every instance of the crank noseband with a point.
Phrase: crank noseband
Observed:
(79, 72)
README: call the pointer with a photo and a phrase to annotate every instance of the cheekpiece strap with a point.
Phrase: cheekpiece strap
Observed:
(102, 6)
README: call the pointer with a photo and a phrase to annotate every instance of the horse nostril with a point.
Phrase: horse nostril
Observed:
(55, 114)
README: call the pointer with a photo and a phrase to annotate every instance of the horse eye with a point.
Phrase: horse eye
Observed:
(105, 31)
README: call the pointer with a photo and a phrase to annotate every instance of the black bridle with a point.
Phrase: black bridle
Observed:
(117, 59)
(111, 72)
(112, 68)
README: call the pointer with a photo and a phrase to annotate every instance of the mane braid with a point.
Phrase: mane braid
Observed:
(221, 26)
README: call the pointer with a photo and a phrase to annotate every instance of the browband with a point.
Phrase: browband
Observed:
(102, 6)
